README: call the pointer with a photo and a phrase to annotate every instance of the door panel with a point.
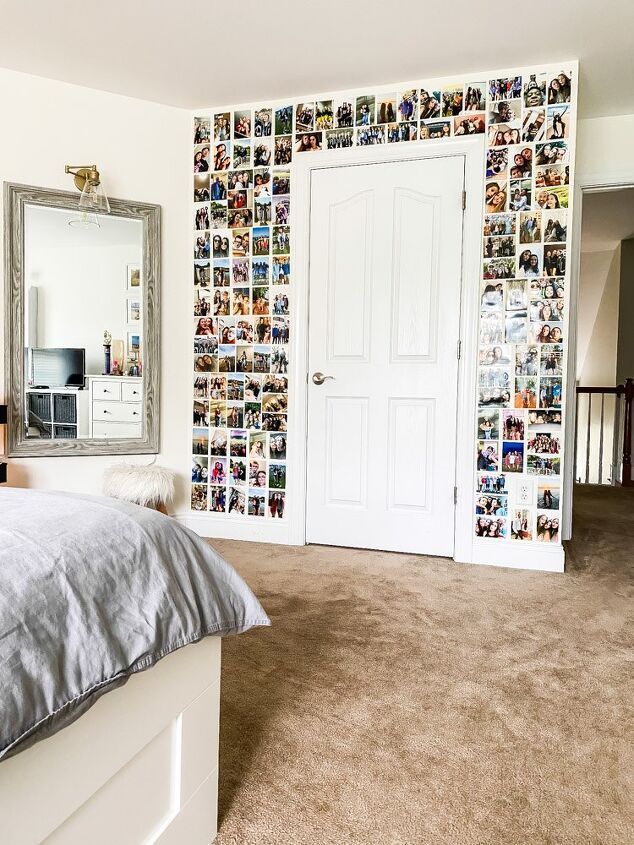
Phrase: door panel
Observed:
(384, 299)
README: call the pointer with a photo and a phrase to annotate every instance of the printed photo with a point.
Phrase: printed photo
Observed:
(525, 392)
(542, 465)
(284, 120)
(530, 227)
(263, 123)
(344, 114)
(257, 473)
(471, 124)
(407, 106)
(277, 503)
(526, 360)
(324, 118)
(496, 197)
(555, 226)
(199, 497)
(202, 158)
(499, 224)
(528, 263)
(236, 501)
(513, 456)
(499, 246)
(498, 268)
(308, 142)
(516, 295)
(242, 124)
(277, 476)
(218, 442)
(488, 425)
(520, 194)
(544, 443)
(202, 130)
(550, 390)
(507, 112)
(281, 240)
(546, 288)
(555, 260)
(218, 471)
(370, 135)
(202, 302)
(201, 188)
(558, 125)
(365, 108)
(432, 130)
(521, 524)
(544, 420)
(339, 139)
(505, 89)
(281, 182)
(238, 444)
(497, 162)
(257, 503)
(492, 527)
(200, 470)
(559, 89)
(222, 156)
(504, 134)
(200, 441)
(521, 161)
(547, 528)
(492, 328)
(429, 104)
(492, 298)
(305, 117)
(551, 360)
(554, 152)
(217, 499)
(552, 176)
(535, 90)
(491, 484)
(547, 310)
(487, 455)
(552, 198)
(548, 496)
(386, 109)
(222, 126)
(452, 100)
(474, 96)
(492, 505)
(512, 425)
(283, 149)
(490, 356)
(277, 446)
(241, 154)
(533, 125)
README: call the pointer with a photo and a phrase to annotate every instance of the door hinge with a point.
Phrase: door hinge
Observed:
(464, 200)
(459, 350)
(455, 495)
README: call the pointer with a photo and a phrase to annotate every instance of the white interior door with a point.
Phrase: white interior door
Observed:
(385, 270)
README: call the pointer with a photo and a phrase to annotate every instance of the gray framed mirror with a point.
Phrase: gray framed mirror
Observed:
(82, 325)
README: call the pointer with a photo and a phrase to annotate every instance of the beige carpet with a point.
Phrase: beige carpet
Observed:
(401, 699)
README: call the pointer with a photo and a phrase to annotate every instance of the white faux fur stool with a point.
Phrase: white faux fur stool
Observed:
(150, 486)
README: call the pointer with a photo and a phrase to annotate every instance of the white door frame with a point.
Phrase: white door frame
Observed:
(472, 150)
(584, 185)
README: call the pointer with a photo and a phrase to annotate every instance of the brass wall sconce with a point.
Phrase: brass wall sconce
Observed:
(93, 199)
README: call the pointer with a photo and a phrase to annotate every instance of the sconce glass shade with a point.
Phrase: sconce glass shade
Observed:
(93, 199)
(84, 220)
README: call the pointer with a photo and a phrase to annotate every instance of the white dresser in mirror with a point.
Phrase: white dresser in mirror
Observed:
(115, 406)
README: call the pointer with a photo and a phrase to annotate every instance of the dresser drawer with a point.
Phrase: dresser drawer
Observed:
(116, 412)
(131, 392)
(104, 389)
(113, 431)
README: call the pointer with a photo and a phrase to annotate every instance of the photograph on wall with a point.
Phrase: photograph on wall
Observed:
(491, 527)
(284, 120)
(492, 505)
(513, 456)
(521, 524)
(547, 528)
(429, 104)
(534, 90)
(548, 496)
(133, 276)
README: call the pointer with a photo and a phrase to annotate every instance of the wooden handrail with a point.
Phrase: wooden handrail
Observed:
(626, 390)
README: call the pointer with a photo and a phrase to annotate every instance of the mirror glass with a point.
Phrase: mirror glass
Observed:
(83, 325)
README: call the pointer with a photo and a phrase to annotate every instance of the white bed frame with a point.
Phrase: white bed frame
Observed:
(140, 767)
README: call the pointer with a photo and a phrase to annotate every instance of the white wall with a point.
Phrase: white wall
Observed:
(141, 150)
(598, 321)
(604, 149)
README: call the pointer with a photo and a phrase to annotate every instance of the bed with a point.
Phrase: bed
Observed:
(93, 592)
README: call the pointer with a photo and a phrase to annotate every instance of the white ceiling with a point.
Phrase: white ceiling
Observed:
(607, 219)
(217, 53)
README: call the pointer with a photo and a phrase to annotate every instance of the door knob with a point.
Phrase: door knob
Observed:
(320, 378)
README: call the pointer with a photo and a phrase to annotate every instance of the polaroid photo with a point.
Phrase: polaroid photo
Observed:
(201, 413)
(217, 499)
(520, 192)
(218, 471)
(277, 503)
(244, 358)
(218, 387)
(283, 149)
(201, 387)
(202, 158)
(201, 217)
(274, 422)
(262, 152)
(550, 391)
(554, 263)
(277, 476)
(241, 242)
(558, 123)
(134, 310)
(496, 196)
(530, 227)
(240, 180)
(238, 469)
(202, 130)
(551, 360)
(491, 297)
(241, 154)
(220, 246)
(242, 124)
(238, 443)
(547, 310)
(529, 262)
(324, 118)
(553, 152)
(263, 123)
(257, 472)
(218, 215)
(257, 503)
(474, 96)
(521, 161)
(202, 273)
(236, 501)
(497, 163)
(205, 327)
(344, 113)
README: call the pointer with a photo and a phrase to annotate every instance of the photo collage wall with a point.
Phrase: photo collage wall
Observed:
(243, 282)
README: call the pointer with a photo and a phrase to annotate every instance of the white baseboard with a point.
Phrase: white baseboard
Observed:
(517, 554)
(226, 527)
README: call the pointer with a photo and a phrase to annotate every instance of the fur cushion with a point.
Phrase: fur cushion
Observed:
(142, 485)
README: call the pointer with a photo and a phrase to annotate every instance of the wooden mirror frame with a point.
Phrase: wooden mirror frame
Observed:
(16, 197)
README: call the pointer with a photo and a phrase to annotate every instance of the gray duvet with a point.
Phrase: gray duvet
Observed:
(93, 590)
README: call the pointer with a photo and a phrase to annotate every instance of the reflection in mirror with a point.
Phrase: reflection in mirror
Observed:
(83, 325)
